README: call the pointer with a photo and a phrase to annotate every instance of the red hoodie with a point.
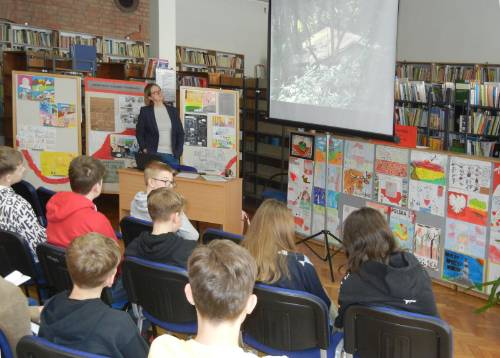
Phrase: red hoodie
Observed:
(70, 215)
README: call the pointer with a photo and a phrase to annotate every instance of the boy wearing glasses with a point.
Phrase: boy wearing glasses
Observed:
(159, 175)
(163, 244)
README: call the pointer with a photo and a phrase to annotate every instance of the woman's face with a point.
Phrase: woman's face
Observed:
(156, 95)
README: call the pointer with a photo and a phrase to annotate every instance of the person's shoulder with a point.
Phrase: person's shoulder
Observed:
(166, 345)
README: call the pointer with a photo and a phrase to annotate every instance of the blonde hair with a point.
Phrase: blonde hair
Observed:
(163, 202)
(153, 168)
(271, 231)
(10, 159)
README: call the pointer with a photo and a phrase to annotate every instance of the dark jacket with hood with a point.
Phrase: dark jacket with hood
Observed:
(167, 248)
(402, 284)
(91, 326)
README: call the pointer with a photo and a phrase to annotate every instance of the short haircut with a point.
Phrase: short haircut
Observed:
(90, 259)
(222, 276)
(153, 168)
(10, 159)
(163, 202)
(84, 173)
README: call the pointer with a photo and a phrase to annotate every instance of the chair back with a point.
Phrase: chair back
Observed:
(302, 319)
(15, 254)
(5, 349)
(131, 228)
(387, 332)
(53, 261)
(37, 347)
(159, 290)
(216, 234)
(28, 192)
(44, 196)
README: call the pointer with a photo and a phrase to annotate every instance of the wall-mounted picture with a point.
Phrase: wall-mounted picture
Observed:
(302, 145)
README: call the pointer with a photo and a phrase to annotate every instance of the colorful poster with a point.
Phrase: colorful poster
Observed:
(402, 224)
(193, 101)
(391, 161)
(462, 269)
(320, 149)
(223, 132)
(495, 212)
(494, 247)
(470, 175)
(48, 114)
(358, 169)
(466, 238)
(123, 146)
(55, 164)
(332, 212)
(335, 151)
(346, 211)
(318, 216)
(302, 145)
(36, 138)
(24, 87)
(496, 179)
(102, 114)
(209, 102)
(392, 190)
(129, 107)
(470, 207)
(427, 242)
(383, 209)
(66, 115)
(195, 129)
(300, 192)
(42, 89)
(428, 167)
(426, 198)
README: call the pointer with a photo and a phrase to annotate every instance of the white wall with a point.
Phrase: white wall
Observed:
(449, 31)
(238, 26)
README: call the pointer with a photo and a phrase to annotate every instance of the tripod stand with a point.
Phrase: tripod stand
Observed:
(328, 256)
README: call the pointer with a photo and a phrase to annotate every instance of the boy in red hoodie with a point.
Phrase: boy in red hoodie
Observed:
(73, 214)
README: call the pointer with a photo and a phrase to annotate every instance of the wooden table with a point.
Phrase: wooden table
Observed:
(206, 201)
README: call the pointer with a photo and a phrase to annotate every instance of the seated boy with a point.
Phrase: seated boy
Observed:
(80, 319)
(159, 175)
(163, 244)
(221, 280)
(73, 214)
(16, 214)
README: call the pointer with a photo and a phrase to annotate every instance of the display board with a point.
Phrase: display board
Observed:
(47, 118)
(112, 109)
(210, 118)
(443, 208)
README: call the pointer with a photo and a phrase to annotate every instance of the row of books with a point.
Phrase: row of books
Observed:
(485, 94)
(407, 116)
(230, 61)
(119, 48)
(447, 73)
(480, 148)
(482, 123)
(195, 57)
(152, 64)
(32, 38)
(192, 81)
(68, 41)
(4, 32)
(418, 91)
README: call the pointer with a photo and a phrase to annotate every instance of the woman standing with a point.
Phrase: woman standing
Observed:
(159, 128)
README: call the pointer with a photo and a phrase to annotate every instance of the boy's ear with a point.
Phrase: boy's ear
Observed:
(189, 293)
(251, 303)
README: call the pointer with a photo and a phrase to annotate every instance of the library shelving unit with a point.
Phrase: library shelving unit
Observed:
(455, 106)
(264, 145)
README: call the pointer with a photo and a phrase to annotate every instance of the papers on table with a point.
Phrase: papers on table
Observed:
(17, 278)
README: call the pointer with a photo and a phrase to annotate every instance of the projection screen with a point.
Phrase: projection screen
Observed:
(331, 63)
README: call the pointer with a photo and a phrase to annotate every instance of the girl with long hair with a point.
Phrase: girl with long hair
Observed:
(378, 272)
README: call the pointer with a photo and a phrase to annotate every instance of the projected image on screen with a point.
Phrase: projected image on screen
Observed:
(332, 62)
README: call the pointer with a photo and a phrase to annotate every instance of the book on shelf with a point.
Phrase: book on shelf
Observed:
(480, 147)
(413, 91)
(32, 38)
(153, 64)
(4, 32)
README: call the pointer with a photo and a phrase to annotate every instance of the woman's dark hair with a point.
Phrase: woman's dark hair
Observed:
(367, 237)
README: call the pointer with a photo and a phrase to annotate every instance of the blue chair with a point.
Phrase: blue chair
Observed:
(158, 289)
(28, 192)
(37, 347)
(387, 332)
(44, 196)
(186, 168)
(289, 322)
(216, 234)
(272, 193)
(5, 349)
(132, 227)
(15, 254)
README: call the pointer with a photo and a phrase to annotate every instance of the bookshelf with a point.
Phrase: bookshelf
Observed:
(211, 61)
(454, 106)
